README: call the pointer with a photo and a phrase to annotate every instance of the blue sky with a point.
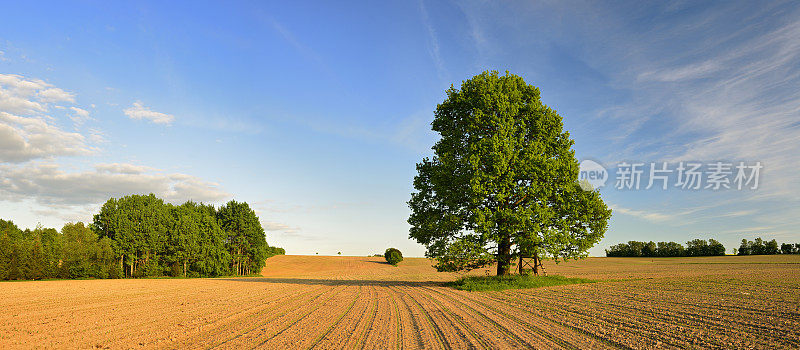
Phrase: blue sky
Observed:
(316, 113)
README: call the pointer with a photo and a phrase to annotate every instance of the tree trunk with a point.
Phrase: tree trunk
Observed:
(536, 263)
(504, 256)
(184, 268)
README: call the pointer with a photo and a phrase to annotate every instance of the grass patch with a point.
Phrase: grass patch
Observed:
(485, 283)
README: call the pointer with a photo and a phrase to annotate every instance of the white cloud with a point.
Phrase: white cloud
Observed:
(56, 95)
(79, 115)
(687, 72)
(28, 96)
(139, 111)
(270, 226)
(649, 216)
(750, 113)
(26, 138)
(18, 95)
(122, 168)
(284, 232)
(48, 185)
(27, 130)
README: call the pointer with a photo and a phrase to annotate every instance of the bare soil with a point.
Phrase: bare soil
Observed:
(357, 302)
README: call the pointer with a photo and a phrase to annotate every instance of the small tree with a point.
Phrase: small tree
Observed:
(697, 247)
(649, 249)
(715, 248)
(393, 256)
(771, 247)
(746, 247)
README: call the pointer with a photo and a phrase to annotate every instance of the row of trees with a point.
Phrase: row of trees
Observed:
(140, 236)
(762, 247)
(695, 247)
(75, 252)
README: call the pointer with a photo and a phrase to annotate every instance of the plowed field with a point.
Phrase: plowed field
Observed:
(355, 302)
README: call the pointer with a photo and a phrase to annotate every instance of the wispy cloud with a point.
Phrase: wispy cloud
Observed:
(139, 111)
(276, 226)
(79, 116)
(304, 50)
(687, 72)
(642, 214)
(433, 42)
(412, 132)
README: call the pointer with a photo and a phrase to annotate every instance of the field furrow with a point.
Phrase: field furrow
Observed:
(360, 303)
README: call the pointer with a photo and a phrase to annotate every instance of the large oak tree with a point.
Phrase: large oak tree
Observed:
(503, 181)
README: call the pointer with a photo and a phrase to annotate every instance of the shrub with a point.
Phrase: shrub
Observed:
(484, 283)
(393, 256)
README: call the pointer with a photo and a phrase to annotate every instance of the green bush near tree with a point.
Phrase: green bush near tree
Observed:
(393, 256)
(503, 282)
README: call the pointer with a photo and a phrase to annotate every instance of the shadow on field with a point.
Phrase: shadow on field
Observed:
(377, 262)
(329, 282)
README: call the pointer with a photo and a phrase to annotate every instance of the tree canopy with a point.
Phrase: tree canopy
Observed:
(695, 247)
(393, 256)
(503, 181)
(140, 236)
(246, 240)
(762, 247)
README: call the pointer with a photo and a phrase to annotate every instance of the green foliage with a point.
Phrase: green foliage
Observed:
(196, 242)
(667, 249)
(696, 247)
(28, 254)
(393, 256)
(496, 283)
(761, 247)
(152, 238)
(699, 247)
(503, 178)
(462, 254)
(87, 256)
(140, 236)
(138, 226)
(247, 242)
(272, 251)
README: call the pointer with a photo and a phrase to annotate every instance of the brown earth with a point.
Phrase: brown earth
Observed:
(355, 302)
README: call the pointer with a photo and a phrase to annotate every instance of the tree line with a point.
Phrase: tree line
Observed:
(140, 236)
(762, 247)
(695, 247)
